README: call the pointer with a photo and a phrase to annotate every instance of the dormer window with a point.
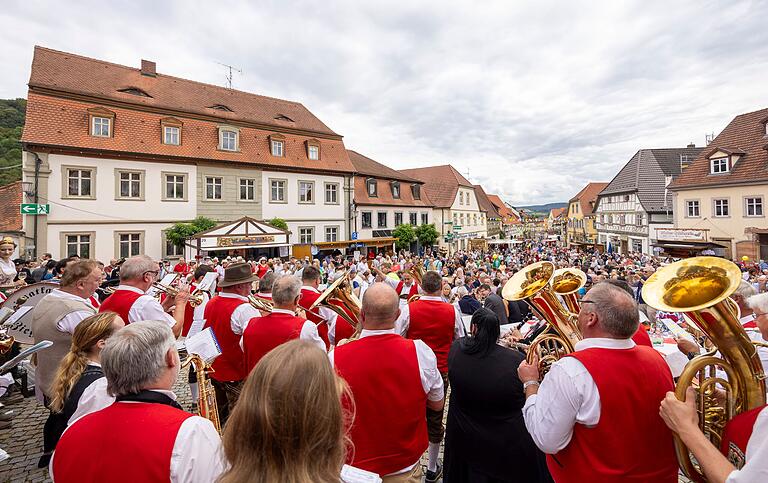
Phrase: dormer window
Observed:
(277, 145)
(283, 117)
(101, 122)
(313, 149)
(372, 188)
(171, 131)
(396, 190)
(229, 139)
(416, 191)
(220, 107)
(719, 165)
(134, 91)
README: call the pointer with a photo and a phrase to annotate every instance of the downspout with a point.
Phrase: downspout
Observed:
(38, 162)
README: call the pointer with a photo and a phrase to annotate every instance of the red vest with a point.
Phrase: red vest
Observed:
(630, 443)
(434, 323)
(120, 302)
(94, 300)
(265, 333)
(218, 316)
(641, 337)
(343, 329)
(189, 313)
(736, 436)
(389, 431)
(411, 292)
(145, 431)
(261, 270)
(308, 297)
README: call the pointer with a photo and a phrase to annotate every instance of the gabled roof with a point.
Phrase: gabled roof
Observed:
(485, 203)
(646, 173)
(557, 212)
(10, 214)
(587, 197)
(501, 207)
(441, 183)
(368, 167)
(75, 74)
(744, 136)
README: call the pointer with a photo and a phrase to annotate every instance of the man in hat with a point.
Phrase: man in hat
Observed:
(228, 314)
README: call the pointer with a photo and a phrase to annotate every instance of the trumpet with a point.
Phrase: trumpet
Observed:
(195, 298)
(264, 305)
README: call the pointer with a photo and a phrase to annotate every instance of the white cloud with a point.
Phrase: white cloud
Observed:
(533, 98)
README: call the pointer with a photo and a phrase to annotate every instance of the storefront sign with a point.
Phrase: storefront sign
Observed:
(245, 240)
(681, 234)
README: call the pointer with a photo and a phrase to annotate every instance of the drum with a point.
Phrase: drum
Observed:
(20, 327)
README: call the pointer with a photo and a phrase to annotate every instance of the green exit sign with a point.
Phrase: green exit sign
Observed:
(35, 209)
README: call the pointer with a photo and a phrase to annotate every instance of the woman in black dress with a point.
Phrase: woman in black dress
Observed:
(485, 439)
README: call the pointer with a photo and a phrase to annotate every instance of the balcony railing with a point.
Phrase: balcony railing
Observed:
(631, 229)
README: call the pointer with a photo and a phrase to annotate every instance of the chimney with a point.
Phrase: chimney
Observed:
(148, 68)
(691, 146)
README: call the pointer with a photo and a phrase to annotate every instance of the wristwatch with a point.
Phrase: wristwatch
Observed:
(691, 355)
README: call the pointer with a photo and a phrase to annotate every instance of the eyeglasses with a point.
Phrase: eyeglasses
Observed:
(588, 302)
(154, 273)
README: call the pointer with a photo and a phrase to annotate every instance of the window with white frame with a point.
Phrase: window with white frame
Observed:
(247, 189)
(313, 152)
(174, 186)
(306, 192)
(381, 219)
(213, 186)
(398, 218)
(721, 207)
(331, 233)
(130, 184)
(331, 193)
(306, 234)
(424, 218)
(79, 245)
(278, 147)
(416, 191)
(79, 182)
(692, 209)
(719, 165)
(395, 190)
(372, 188)
(227, 140)
(172, 250)
(754, 206)
(277, 190)
(172, 135)
(413, 218)
(130, 244)
(101, 126)
(367, 219)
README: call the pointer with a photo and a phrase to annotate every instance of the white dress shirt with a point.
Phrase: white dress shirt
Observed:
(197, 453)
(69, 322)
(568, 395)
(308, 330)
(756, 456)
(146, 307)
(431, 380)
(404, 321)
(242, 314)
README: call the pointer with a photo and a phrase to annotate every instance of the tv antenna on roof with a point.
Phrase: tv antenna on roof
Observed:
(230, 70)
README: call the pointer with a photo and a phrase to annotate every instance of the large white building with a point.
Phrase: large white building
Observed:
(122, 153)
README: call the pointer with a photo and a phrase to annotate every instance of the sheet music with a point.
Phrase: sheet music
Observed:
(208, 284)
(350, 474)
(204, 344)
(195, 328)
(676, 330)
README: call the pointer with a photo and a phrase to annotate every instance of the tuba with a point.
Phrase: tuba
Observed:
(534, 285)
(206, 399)
(701, 287)
(340, 298)
(417, 273)
(260, 304)
(566, 282)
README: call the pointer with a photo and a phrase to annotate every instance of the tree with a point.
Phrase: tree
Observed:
(278, 223)
(404, 235)
(11, 122)
(179, 232)
(427, 234)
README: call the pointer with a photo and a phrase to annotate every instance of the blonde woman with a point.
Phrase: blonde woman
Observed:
(7, 267)
(288, 425)
(80, 368)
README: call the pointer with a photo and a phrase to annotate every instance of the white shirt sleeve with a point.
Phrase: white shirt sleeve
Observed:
(241, 316)
(756, 466)
(431, 380)
(567, 395)
(458, 329)
(309, 332)
(94, 398)
(330, 317)
(147, 307)
(391, 282)
(69, 322)
(199, 311)
(197, 453)
(403, 322)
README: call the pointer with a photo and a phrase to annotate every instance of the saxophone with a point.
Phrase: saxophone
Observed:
(206, 399)
(700, 287)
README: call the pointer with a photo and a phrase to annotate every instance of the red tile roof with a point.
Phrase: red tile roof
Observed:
(367, 168)
(58, 119)
(557, 212)
(441, 183)
(485, 203)
(746, 134)
(588, 196)
(10, 208)
(501, 207)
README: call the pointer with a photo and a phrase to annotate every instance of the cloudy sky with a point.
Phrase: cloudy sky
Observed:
(532, 99)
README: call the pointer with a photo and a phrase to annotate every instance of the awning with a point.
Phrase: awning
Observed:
(370, 242)
(242, 233)
(687, 245)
